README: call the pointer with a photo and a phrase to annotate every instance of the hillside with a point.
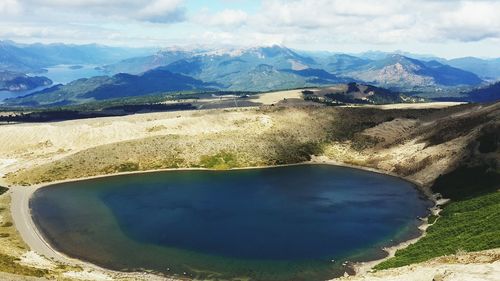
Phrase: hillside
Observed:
(341, 63)
(421, 145)
(397, 71)
(488, 69)
(104, 87)
(355, 93)
(277, 56)
(232, 68)
(245, 69)
(489, 93)
(13, 81)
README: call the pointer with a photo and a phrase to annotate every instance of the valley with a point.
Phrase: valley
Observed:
(75, 114)
(254, 69)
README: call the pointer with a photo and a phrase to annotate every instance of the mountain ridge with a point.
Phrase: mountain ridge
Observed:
(105, 87)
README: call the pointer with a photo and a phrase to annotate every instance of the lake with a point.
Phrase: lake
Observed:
(63, 74)
(59, 74)
(287, 223)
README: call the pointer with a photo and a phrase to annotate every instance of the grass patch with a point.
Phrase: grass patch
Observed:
(220, 161)
(468, 225)
(432, 219)
(8, 264)
(128, 167)
(7, 224)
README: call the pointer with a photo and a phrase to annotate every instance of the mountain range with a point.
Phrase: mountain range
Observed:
(30, 58)
(268, 68)
(397, 71)
(105, 87)
(238, 69)
(488, 69)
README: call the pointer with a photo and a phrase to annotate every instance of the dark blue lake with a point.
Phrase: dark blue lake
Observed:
(285, 223)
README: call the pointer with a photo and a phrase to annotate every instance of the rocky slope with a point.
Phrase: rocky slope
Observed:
(402, 72)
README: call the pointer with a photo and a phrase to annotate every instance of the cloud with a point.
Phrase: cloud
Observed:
(227, 18)
(165, 11)
(382, 22)
(471, 21)
(309, 24)
(10, 7)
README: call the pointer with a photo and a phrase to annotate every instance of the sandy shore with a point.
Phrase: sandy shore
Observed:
(34, 239)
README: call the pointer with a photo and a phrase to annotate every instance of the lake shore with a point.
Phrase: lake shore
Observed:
(29, 232)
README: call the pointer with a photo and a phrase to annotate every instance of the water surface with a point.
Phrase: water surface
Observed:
(63, 74)
(285, 223)
(59, 74)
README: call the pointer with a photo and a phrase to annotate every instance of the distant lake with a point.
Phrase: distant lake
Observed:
(288, 223)
(63, 74)
(60, 74)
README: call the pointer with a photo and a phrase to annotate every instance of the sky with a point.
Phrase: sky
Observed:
(446, 28)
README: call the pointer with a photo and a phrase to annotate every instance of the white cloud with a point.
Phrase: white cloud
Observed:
(10, 7)
(145, 10)
(471, 21)
(162, 11)
(382, 22)
(310, 24)
(227, 18)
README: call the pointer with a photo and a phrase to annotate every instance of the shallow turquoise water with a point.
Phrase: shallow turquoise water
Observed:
(285, 223)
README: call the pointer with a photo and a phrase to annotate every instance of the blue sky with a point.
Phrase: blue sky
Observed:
(448, 28)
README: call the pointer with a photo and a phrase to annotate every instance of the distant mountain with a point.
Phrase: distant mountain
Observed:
(137, 65)
(263, 68)
(277, 56)
(13, 81)
(397, 71)
(238, 69)
(341, 63)
(104, 87)
(379, 55)
(256, 69)
(488, 69)
(489, 93)
(317, 76)
(34, 57)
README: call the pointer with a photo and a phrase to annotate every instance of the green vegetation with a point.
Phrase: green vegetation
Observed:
(220, 161)
(3, 190)
(127, 167)
(432, 219)
(467, 182)
(8, 264)
(7, 224)
(468, 225)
